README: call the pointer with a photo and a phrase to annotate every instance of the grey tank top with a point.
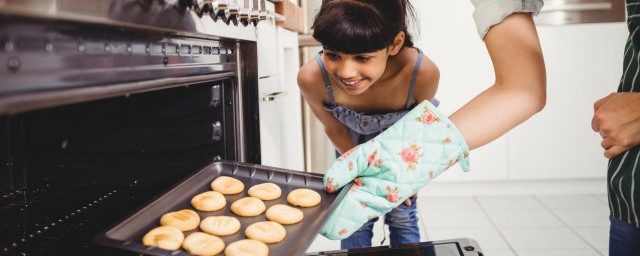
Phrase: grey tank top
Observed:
(364, 127)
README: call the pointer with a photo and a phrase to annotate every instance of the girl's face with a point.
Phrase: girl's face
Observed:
(355, 73)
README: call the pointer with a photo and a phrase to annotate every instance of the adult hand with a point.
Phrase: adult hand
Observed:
(617, 119)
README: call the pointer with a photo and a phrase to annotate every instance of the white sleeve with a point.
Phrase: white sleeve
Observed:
(491, 12)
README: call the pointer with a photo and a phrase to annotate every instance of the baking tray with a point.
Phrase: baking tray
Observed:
(128, 233)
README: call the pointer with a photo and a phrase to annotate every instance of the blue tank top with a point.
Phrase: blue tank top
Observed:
(364, 127)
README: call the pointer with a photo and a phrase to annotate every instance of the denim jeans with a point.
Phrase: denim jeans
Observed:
(403, 226)
(624, 238)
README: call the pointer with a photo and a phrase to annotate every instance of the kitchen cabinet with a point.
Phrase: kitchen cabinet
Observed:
(281, 139)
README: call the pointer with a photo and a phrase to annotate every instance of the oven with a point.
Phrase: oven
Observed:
(104, 104)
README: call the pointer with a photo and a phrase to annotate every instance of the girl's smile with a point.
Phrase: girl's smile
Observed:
(352, 84)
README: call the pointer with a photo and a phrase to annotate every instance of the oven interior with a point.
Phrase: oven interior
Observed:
(68, 173)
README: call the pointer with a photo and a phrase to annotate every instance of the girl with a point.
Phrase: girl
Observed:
(367, 76)
(368, 66)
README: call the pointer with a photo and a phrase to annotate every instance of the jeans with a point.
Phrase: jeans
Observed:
(403, 226)
(624, 238)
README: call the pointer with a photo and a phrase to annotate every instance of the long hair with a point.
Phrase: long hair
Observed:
(360, 26)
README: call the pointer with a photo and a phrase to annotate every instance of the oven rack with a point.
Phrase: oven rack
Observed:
(37, 226)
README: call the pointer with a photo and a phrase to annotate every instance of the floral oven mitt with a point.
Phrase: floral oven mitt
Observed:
(392, 167)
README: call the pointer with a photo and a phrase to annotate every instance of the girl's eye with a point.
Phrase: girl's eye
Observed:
(331, 55)
(362, 58)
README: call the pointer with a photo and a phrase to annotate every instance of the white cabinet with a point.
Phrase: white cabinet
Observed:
(280, 108)
(267, 44)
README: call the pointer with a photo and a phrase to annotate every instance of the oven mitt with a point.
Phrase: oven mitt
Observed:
(392, 167)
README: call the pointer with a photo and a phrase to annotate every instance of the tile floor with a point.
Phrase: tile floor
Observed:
(562, 225)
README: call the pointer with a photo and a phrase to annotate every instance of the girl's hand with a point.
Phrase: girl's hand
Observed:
(407, 202)
(617, 119)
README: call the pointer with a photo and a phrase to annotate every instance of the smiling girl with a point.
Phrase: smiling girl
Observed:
(366, 78)
(369, 75)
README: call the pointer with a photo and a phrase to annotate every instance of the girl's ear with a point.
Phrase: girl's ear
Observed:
(398, 42)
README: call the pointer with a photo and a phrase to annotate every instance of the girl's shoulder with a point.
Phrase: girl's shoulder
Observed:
(427, 79)
(310, 80)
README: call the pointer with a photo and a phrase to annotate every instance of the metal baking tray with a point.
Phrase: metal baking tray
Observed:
(128, 233)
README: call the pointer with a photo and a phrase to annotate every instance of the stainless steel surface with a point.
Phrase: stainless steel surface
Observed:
(559, 12)
(169, 16)
(245, 13)
(60, 52)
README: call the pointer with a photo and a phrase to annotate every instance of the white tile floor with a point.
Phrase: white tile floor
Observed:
(512, 225)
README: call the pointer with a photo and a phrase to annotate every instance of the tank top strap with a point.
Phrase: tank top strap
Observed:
(325, 76)
(413, 78)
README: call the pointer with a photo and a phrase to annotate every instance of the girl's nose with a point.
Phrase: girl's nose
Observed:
(347, 70)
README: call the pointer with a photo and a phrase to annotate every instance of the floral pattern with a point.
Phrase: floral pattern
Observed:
(446, 141)
(363, 204)
(392, 195)
(374, 160)
(427, 117)
(342, 232)
(451, 163)
(356, 184)
(330, 186)
(350, 165)
(346, 154)
(411, 155)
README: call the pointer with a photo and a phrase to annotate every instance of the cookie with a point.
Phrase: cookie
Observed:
(227, 185)
(247, 247)
(265, 191)
(208, 201)
(303, 197)
(164, 237)
(284, 214)
(266, 231)
(199, 243)
(184, 220)
(220, 225)
(248, 207)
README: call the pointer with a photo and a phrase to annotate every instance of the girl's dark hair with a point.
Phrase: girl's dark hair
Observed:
(360, 26)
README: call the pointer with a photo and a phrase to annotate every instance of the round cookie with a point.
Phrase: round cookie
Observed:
(164, 237)
(199, 243)
(284, 214)
(248, 207)
(208, 201)
(303, 197)
(184, 220)
(227, 185)
(220, 225)
(247, 247)
(266, 231)
(265, 191)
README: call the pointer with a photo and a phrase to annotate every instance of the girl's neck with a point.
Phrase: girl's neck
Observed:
(395, 65)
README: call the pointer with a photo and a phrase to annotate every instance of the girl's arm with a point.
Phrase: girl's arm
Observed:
(520, 87)
(337, 132)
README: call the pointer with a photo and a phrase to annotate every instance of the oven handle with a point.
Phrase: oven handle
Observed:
(274, 96)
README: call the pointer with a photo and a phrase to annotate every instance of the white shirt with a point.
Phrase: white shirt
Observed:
(491, 12)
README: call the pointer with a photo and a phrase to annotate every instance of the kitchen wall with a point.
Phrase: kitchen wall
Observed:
(584, 63)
